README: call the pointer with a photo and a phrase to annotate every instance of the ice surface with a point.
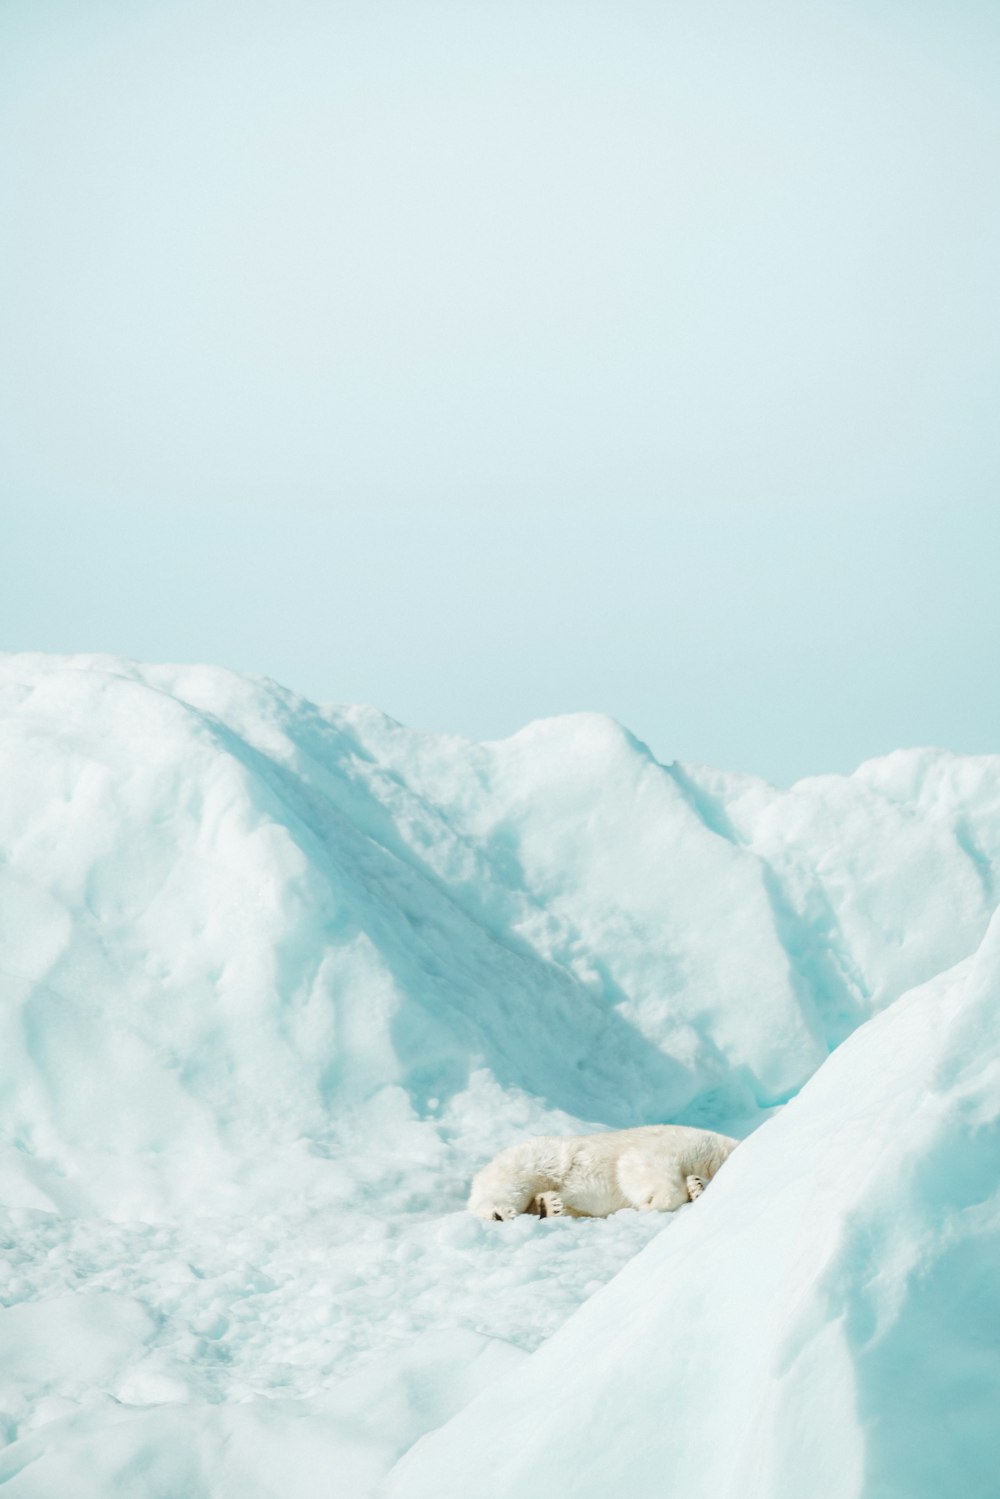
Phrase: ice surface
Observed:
(278, 978)
(823, 1321)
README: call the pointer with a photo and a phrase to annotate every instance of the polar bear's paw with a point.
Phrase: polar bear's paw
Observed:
(695, 1186)
(548, 1205)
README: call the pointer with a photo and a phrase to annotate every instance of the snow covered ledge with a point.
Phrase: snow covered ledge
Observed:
(824, 1321)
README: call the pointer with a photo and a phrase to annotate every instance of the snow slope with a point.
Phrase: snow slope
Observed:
(825, 1321)
(276, 979)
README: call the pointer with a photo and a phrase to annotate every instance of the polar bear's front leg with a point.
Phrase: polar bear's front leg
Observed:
(695, 1186)
(548, 1205)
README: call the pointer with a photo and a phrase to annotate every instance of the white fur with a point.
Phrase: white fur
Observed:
(655, 1168)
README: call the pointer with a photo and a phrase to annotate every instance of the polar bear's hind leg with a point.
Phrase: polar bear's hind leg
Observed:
(649, 1184)
(548, 1205)
(695, 1186)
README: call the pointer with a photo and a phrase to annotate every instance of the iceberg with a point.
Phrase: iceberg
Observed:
(277, 978)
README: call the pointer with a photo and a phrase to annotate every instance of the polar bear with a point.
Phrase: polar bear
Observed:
(655, 1168)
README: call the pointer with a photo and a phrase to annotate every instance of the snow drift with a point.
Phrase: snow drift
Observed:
(826, 1322)
(277, 978)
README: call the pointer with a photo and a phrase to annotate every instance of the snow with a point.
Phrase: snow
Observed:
(829, 1308)
(278, 978)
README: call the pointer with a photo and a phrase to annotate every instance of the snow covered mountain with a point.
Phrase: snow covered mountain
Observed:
(277, 978)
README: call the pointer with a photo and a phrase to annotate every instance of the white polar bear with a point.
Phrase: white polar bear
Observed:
(655, 1168)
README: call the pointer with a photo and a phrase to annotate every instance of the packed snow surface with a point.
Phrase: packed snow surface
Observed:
(277, 979)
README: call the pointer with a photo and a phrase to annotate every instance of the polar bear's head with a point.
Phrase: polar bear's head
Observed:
(491, 1205)
(496, 1194)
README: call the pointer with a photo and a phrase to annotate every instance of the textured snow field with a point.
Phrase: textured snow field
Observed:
(826, 1325)
(387, 1317)
(277, 979)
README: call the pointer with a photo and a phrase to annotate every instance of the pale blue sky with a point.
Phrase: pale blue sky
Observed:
(488, 361)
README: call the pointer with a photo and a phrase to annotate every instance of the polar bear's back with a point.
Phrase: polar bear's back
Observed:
(691, 1151)
(685, 1138)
